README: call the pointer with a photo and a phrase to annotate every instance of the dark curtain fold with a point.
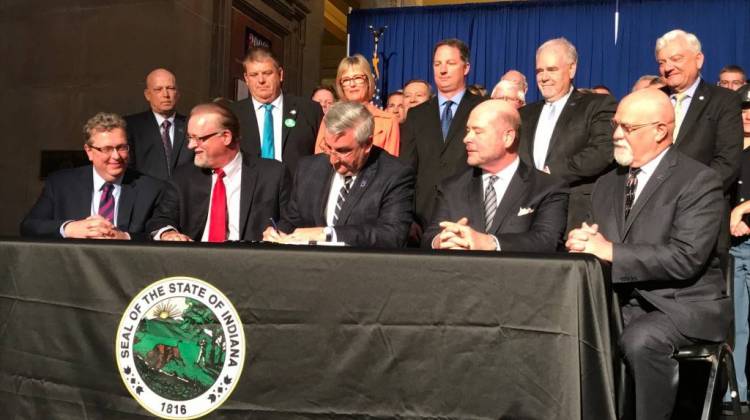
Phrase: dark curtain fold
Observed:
(505, 35)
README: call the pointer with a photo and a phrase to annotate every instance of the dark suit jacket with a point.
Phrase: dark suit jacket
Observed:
(665, 251)
(422, 146)
(297, 141)
(67, 195)
(711, 131)
(377, 212)
(184, 206)
(540, 231)
(580, 148)
(147, 150)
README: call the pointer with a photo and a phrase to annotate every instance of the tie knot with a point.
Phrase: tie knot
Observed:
(268, 107)
(220, 173)
(448, 103)
(165, 125)
(634, 172)
(348, 181)
(678, 97)
(107, 187)
(493, 179)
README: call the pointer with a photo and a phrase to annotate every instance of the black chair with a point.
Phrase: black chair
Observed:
(718, 355)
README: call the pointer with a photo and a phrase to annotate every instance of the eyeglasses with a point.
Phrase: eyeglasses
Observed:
(354, 80)
(202, 139)
(629, 128)
(327, 149)
(107, 150)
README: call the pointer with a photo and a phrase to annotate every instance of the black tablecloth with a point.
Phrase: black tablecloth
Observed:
(331, 333)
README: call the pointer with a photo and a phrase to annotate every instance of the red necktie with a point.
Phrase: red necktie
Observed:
(218, 224)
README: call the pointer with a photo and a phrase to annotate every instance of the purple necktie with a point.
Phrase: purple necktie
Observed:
(107, 203)
(167, 144)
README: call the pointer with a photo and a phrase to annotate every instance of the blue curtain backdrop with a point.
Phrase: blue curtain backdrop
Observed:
(505, 35)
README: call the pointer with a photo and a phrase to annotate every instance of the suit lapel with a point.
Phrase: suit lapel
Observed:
(476, 195)
(82, 196)
(288, 112)
(661, 173)
(455, 130)
(320, 198)
(509, 201)
(127, 201)
(247, 191)
(178, 142)
(361, 184)
(529, 128)
(697, 104)
(556, 141)
(200, 203)
(253, 140)
(619, 200)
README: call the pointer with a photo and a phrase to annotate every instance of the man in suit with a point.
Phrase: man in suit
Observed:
(708, 125)
(500, 203)
(568, 133)
(275, 125)
(354, 193)
(656, 219)
(104, 200)
(227, 194)
(157, 136)
(432, 134)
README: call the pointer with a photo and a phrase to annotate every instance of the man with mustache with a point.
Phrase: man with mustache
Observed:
(656, 218)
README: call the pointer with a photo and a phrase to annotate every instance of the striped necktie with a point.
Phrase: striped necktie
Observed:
(490, 202)
(107, 203)
(343, 193)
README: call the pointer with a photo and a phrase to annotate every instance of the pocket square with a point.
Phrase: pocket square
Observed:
(523, 211)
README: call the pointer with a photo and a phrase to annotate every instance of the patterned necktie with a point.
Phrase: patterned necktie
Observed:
(679, 113)
(446, 119)
(218, 224)
(266, 150)
(107, 203)
(343, 193)
(167, 142)
(630, 185)
(490, 202)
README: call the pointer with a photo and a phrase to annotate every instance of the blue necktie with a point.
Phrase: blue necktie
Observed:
(266, 149)
(446, 118)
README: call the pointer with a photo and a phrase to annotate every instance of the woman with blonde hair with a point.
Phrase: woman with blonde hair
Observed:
(355, 82)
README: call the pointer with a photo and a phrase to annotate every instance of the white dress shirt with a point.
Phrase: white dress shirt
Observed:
(686, 101)
(333, 197)
(645, 174)
(232, 183)
(503, 180)
(276, 112)
(544, 128)
(160, 120)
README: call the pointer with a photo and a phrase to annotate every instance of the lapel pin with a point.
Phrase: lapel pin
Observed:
(700, 98)
(293, 112)
(363, 183)
(289, 122)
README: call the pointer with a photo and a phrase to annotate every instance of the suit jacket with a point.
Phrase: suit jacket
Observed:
(147, 150)
(423, 147)
(580, 148)
(67, 195)
(711, 131)
(517, 229)
(665, 249)
(377, 212)
(297, 141)
(187, 197)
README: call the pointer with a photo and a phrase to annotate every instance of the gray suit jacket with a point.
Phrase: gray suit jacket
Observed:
(665, 249)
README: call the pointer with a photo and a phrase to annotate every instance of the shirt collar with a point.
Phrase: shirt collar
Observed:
(99, 181)
(562, 100)
(649, 168)
(456, 98)
(277, 103)
(233, 167)
(160, 119)
(690, 92)
(505, 173)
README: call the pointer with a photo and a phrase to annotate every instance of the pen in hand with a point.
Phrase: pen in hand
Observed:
(273, 223)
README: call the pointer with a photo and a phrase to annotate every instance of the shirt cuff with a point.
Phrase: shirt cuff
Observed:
(497, 242)
(157, 235)
(62, 228)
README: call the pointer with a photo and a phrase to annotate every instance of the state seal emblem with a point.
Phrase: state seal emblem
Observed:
(180, 348)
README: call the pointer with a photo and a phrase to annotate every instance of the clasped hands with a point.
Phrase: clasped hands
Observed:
(589, 240)
(298, 236)
(459, 235)
(94, 227)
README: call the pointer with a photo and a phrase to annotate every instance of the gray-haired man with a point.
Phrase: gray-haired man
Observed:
(354, 193)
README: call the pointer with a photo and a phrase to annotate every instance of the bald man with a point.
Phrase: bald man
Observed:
(500, 203)
(510, 92)
(157, 136)
(516, 77)
(656, 218)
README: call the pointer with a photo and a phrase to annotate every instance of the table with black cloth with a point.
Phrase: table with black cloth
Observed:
(331, 332)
